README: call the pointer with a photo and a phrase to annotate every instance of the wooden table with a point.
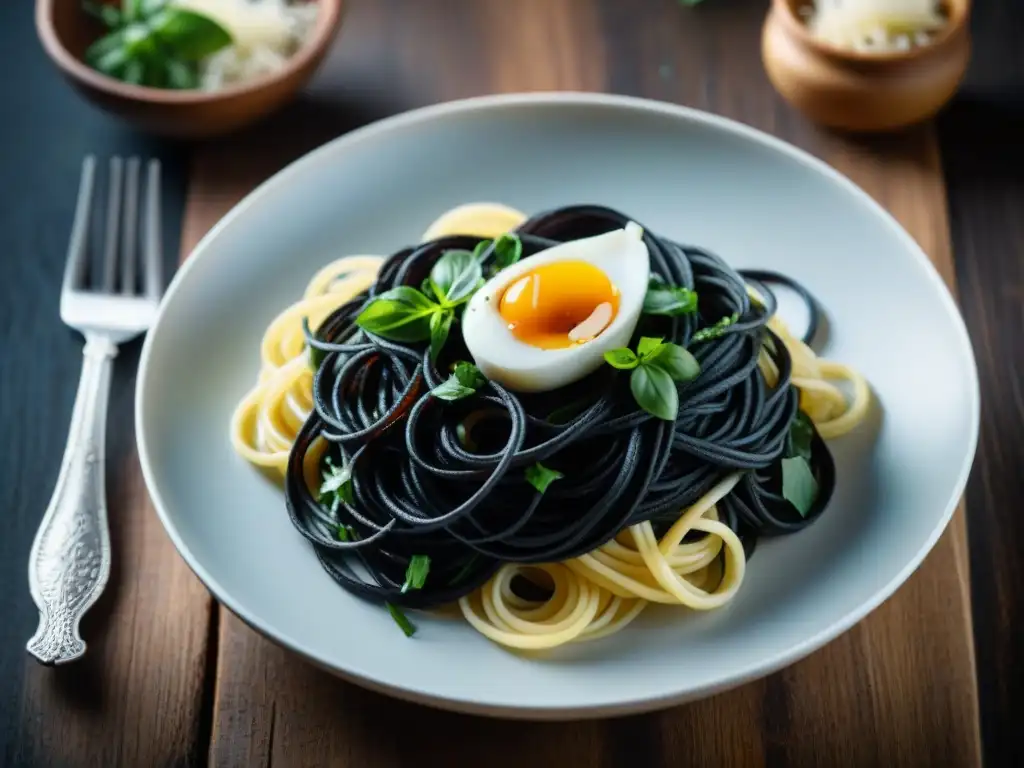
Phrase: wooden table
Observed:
(172, 679)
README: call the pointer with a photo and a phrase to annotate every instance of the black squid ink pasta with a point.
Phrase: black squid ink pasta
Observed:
(445, 481)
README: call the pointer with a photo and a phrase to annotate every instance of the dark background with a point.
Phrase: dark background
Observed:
(45, 131)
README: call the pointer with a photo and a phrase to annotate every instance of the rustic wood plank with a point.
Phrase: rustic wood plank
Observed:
(983, 157)
(878, 695)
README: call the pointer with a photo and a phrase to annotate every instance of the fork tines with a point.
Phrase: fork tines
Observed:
(121, 228)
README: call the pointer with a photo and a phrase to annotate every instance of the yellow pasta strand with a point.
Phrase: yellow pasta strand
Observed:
(266, 422)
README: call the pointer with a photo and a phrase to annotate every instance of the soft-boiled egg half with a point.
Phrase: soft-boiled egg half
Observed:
(547, 320)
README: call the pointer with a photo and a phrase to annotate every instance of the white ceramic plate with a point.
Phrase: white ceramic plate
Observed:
(755, 200)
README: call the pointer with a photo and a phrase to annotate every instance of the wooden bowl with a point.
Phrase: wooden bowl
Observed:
(864, 92)
(66, 31)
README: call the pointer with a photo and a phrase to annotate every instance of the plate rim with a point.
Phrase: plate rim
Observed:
(636, 704)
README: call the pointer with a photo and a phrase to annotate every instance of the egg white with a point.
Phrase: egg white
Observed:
(501, 357)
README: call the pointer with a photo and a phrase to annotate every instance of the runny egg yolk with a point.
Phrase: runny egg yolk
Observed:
(559, 305)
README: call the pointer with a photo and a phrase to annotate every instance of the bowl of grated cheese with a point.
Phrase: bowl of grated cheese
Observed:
(188, 68)
(867, 65)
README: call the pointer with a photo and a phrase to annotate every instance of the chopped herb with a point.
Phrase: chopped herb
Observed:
(401, 620)
(671, 300)
(801, 436)
(345, 533)
(337, 485)
(465, 570)
(799, 486)
(416, 573)
(540, 477)
(715, 331)
(464, 381)
(463, 435)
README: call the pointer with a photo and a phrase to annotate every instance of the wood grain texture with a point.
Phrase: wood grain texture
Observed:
(984, 165)
(898, 690)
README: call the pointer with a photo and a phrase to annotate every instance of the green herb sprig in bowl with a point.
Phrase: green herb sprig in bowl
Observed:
(153, 43)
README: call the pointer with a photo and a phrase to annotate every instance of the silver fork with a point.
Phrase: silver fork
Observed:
(70, 559)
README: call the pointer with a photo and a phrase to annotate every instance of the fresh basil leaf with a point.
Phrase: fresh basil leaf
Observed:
(427, 289)
(131, 10)
(401, 620)
(508, 249)
(113, 63)
(416, 573)
(664, 299)
(654, 391)
(540, 477)
(455, 276)
(481, 247)
(181, 75)
(401, 314)
(799, 486)
(714, 331)
(452, 389)
(465, 380)
(469, 375)
(148, 7)
(188, 35)
(676, 361)
(621, 358)
(440, 325)
(104, 47)
(648, 347)
(801, 437)
(110, 16)
(134, 72)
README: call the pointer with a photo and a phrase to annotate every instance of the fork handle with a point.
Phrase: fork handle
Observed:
(70, 559)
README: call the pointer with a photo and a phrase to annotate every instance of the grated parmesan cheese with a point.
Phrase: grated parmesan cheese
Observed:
(875, 25)
(265, 33)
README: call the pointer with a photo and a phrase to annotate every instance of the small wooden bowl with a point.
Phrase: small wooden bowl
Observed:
(864, 92)
(66, 31)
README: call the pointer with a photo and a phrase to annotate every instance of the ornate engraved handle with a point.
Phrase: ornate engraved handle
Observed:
(70, 559)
